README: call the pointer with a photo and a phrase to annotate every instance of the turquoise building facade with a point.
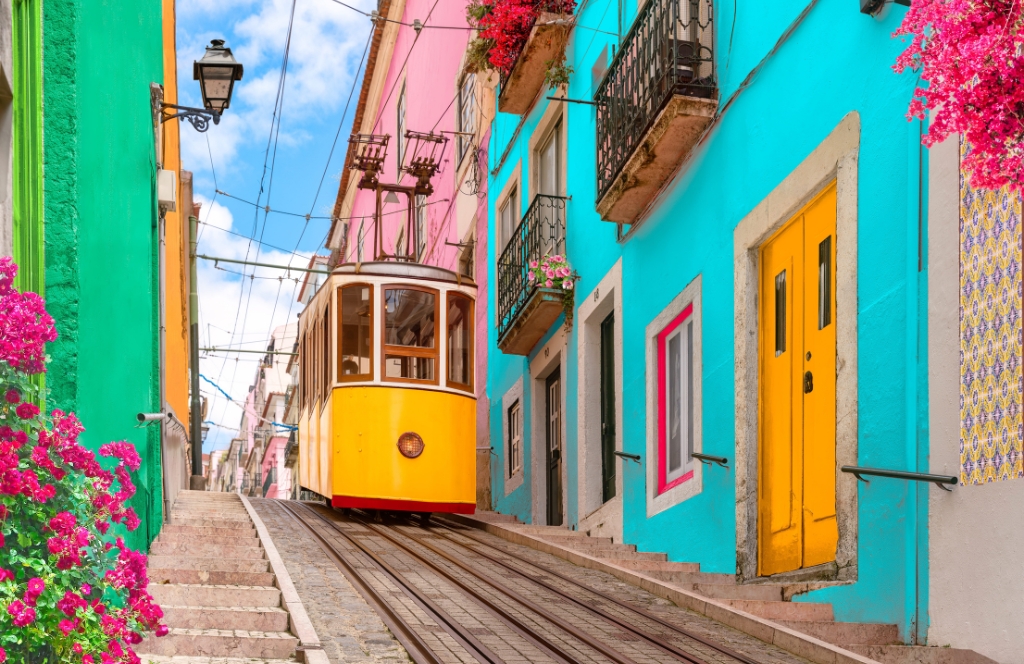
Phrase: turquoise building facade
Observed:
(804, 100)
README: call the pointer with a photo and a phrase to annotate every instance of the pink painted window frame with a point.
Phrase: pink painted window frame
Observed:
(664, 486)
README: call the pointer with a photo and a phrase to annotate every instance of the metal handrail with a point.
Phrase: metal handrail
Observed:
(668, 51)
(627, 455)
(938, 480)
(707, 459)
(541, 231)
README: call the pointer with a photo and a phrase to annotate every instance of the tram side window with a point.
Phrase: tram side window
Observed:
(460, 341)
(355, 331)
(325, 357)
(410, 350)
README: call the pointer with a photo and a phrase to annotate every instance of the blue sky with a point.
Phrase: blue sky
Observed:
(327, 43)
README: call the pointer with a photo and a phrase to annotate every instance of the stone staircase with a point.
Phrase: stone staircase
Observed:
(770, 601)
(210, 574)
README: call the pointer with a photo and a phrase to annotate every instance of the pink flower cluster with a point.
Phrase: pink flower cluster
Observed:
(509, 22)
(552, 272)
(25, 327)
(971, 54)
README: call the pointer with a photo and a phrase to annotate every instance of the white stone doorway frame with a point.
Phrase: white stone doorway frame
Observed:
(551, 356)
(836, 158)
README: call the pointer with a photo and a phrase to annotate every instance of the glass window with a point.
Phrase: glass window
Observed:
(515, 438)
(467, 113)
(421, 225)
(409, 317)
(355, 332)
(400, 129)
(675, 400)
(410, 350)
(460, 341)
(325, 353)
(508, 216)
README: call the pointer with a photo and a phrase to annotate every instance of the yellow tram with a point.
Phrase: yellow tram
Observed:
(387, 412)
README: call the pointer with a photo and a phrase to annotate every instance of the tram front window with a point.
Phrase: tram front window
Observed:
(356, 336)
(410, 317)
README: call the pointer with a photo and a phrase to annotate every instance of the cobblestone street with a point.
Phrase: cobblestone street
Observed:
(349, 629)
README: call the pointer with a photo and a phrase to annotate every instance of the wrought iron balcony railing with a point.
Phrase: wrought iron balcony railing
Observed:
(270, 481)
(668, 51)
(541, 231)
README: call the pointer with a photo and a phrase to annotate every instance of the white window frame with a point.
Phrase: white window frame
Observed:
(466, 117)
(684, 332)
(400, 129)
(510, 202)
(421, 225)
(513, 398)
(673, 495)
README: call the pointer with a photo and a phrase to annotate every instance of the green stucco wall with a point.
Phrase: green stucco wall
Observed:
(100, 215)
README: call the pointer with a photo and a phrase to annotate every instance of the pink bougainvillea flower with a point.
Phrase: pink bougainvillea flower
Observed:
(12, 396)
(3, 655)
(21, 615)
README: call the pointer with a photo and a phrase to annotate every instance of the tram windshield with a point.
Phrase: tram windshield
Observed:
(410, 317)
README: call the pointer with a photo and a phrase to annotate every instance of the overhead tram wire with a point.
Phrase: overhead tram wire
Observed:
(274, 121)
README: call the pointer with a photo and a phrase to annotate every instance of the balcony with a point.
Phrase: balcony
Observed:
(520, 86)
(656, 100)
(270, 481)
(526, 311)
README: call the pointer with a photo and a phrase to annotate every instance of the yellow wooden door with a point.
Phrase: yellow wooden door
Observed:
(797, 405)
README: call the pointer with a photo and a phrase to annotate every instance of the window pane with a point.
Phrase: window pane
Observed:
(825, 282)
(689, 392)
(460, 364)
(399, 366)
(356, 331)
(409, 318)
(673, 372)
(780, 313)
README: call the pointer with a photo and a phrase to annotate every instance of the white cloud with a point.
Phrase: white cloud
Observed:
(327, 42)
(221, 292)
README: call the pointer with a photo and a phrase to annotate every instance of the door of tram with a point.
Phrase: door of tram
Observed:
(553, 397)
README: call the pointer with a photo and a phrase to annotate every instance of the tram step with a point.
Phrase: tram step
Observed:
(194, 562)
(208, 577)
(221, 643)
(847, 634)
(793, 611)
(201, 532)
(182, 594)
(921, 655)
(252, 619)
(189, 539)
(192, 548)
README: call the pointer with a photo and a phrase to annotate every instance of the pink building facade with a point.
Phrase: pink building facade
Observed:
(415, 82)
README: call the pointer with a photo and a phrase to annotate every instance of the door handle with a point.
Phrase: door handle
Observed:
(808, 382)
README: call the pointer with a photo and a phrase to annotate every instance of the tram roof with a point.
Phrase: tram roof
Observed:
(402, 270)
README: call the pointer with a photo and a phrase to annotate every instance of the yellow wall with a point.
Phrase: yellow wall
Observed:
(176, 238)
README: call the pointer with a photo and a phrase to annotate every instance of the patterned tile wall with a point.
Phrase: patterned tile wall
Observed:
(991, 381)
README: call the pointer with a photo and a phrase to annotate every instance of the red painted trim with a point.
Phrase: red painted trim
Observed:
(402, 505)
(662, 410)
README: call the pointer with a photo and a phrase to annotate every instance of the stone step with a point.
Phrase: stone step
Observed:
(225, 512)
(187, 594)
(252, 619)
(221, 643)
(208, 564)
(617, 553)
(689, 579)
(206, 577)
(528, 529)
(792, 611)
(185, 659)
(649, 567)
(204, 550)
(575, 540)
(767, 593)
(211, 495)
(921, 655)
(187, 539)
(241, 532)
(846, 633)
(204, 522)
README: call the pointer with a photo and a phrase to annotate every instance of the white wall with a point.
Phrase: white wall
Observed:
(975, 533)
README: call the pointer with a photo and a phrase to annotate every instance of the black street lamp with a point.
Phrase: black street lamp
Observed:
(216, 73)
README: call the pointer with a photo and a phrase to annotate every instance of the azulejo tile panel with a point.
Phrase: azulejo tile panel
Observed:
(991, 380)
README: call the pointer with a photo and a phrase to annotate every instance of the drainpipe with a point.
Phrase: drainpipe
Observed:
(162, 244)
(197, 482)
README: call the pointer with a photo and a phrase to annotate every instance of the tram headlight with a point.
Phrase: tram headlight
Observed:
(410, 445)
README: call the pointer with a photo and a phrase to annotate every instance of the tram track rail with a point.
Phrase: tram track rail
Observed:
(416, 546)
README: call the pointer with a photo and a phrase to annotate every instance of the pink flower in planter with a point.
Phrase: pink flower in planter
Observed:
(533, 265)
(557, 258)
(548, 283)
(530, 277)
(567, 284)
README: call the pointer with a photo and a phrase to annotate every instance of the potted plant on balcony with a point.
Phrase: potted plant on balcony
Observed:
(526, 54)
(554, 272)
